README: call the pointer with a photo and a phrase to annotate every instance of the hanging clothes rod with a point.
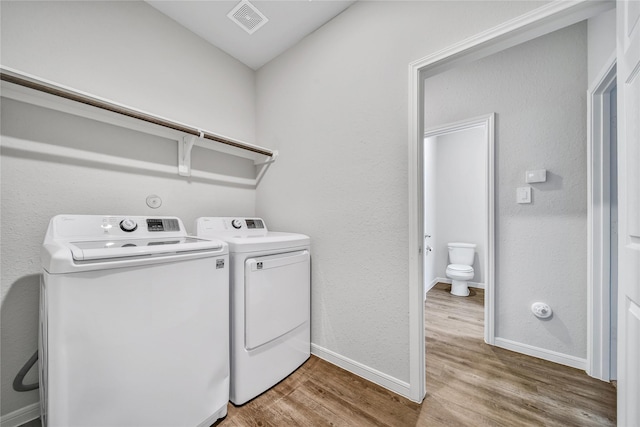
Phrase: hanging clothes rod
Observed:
(32, 83)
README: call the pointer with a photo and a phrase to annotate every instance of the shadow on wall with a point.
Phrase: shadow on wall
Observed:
(554, 183)
(556, 327)
(48, 135)
(19, 318)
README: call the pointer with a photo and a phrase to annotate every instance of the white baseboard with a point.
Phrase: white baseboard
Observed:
(21, 416)
(390, 383)
(448, 281)
(433, 283)
(429, 286)
(541, 353)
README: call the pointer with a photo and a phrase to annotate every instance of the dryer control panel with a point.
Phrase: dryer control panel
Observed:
(233, 224)
(249, 224)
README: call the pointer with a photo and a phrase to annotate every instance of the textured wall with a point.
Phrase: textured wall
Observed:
(538, 91)
(461, 196)
(335, 106)
(130, 53)
(601, 42)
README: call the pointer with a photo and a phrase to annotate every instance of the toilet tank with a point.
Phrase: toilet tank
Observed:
(461, 253)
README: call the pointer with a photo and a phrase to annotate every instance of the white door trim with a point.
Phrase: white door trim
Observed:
(543, 20)
(598, 220)
(487, 122)
(628, 111)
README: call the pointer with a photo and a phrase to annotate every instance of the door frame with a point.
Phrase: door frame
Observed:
(543, 20)
(486, 121)
(599, 223)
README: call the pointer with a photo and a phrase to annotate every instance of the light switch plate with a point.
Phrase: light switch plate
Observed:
(523, 195)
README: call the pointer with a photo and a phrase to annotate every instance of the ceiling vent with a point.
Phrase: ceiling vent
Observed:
(247, 17)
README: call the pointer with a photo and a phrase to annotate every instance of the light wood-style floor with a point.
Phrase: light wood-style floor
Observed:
(472, 383)
(468, 384)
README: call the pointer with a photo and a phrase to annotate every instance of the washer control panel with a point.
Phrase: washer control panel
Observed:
(153, 224)
(162, 224)
(128, 225)
(92, 226)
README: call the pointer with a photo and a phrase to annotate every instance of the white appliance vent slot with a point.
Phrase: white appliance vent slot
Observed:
(247, 17)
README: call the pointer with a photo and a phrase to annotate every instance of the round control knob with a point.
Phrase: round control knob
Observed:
(236, 223)
(128, 225)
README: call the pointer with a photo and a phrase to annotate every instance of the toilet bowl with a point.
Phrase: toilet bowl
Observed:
(460, 271)
(460, 275)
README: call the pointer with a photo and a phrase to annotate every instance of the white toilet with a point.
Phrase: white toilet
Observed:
(460, 270)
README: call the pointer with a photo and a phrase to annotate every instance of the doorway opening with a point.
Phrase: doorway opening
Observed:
(543, 20)
(458, 177)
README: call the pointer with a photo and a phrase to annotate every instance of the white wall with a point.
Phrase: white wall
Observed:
(130, 53)
(335, 106)
(601, 42)
(538, 90)
(461, 213)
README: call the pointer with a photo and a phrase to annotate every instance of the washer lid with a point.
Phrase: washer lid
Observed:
(109, 249)
(76, 243)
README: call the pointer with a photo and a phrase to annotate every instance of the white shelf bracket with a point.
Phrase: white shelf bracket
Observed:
(264, 166)
(184, 153)
(271, 159)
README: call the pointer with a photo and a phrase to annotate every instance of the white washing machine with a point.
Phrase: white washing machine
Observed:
(270, 302)
(134, 324)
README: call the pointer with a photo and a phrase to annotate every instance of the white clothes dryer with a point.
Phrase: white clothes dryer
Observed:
(270, 302)
(134, 324)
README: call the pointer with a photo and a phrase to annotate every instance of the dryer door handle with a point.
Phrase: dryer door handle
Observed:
(275, 261)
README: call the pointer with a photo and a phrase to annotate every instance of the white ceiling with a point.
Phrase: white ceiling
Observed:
(289, 22)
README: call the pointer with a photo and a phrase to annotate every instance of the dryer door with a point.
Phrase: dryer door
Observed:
(276, 296)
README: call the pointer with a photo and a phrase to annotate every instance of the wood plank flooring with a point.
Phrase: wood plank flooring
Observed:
(471, 383)
(468, 384)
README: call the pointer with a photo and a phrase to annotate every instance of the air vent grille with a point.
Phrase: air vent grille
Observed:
(247, 17)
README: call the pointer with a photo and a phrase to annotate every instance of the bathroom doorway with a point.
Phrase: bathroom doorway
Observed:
(458, 182)
(496, 40)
